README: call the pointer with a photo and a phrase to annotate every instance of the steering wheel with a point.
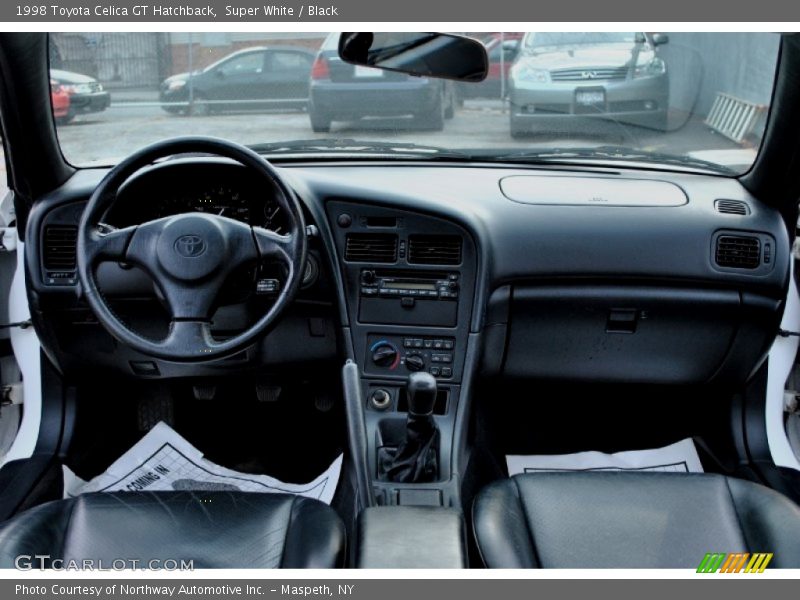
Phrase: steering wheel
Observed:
(190, 255)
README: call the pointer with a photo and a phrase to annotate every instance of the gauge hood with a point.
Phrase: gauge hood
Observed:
(588, 56)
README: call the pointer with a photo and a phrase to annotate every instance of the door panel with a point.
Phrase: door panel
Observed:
(241, 78)
(288, 74)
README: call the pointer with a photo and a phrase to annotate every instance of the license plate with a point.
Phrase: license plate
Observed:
(364, 72)
(590, 98)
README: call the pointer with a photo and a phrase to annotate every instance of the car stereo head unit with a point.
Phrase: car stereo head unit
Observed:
(424, 298)
(393, 284)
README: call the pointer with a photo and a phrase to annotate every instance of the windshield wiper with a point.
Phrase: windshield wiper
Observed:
(613, 153)
(358, 148)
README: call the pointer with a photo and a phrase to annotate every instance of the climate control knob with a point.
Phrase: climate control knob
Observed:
(384, 354)
(414, 362)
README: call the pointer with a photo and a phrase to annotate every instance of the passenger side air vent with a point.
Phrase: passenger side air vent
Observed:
(434, 249)
(738, 252)
(59, 254)
(732, 207)
(371, 247)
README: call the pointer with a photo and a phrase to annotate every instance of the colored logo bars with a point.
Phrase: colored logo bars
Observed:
(736, 562)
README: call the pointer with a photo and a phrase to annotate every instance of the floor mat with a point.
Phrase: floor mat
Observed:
(164, 461)
(680, 457)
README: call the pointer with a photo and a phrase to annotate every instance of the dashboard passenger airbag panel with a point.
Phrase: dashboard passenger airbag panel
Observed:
(599, 191)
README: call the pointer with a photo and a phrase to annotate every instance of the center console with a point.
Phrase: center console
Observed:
(409, 282)
(411, 538)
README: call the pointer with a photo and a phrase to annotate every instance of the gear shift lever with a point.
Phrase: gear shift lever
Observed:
(415, 459)
(421, 394)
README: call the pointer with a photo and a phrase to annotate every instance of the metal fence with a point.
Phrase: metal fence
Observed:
(117, 60)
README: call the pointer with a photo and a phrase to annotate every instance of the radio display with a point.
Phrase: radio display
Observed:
(408, 285)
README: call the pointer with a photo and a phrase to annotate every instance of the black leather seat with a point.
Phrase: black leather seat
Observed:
(214, 530)
(630, 520)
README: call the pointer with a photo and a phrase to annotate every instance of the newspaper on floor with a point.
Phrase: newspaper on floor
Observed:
(680, 457)
(164, 461)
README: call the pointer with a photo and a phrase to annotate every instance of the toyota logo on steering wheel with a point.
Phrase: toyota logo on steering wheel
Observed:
(190, 246)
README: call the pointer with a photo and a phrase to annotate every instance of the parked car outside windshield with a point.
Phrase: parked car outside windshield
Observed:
(59, 98)
(692, 100)
(86, 94)
(572, 77)
(259, 77)
(352, 93)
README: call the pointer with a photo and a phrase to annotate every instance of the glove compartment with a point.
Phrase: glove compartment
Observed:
(634, 334)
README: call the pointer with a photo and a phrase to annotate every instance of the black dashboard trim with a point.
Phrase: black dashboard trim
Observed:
(515, 244)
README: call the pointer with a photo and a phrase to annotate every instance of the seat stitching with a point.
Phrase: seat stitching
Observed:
(475, 533)
(66, 527)
(525, 513)
(288, 527)
(736, 512)
(345, 551)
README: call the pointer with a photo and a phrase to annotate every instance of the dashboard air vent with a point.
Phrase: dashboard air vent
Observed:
(738, 252)
(434, 249)
(60, 248)
(732, 207)
(371, 247)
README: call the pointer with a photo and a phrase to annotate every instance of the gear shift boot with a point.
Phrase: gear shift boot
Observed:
(415, 460)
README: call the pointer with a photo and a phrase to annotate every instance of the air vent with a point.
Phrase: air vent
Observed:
(60, 248)
(732, 207)
(434, 249)
(371, 247)
(738, 252)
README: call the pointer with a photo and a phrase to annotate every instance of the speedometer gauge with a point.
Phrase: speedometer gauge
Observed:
(273, 216)
(223, 201)
(225, 197)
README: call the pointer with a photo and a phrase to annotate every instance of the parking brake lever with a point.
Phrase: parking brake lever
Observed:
(357, 432)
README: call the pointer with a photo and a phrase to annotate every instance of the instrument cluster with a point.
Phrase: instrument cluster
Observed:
(222, 192)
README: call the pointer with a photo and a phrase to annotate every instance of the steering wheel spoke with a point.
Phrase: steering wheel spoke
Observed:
(274, 246)
(108, 244)
(191, 338)
(190, 302)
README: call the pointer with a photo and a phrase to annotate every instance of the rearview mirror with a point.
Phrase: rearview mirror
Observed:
(423, 54)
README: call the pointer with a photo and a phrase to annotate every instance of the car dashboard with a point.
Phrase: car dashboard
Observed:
(593, 274)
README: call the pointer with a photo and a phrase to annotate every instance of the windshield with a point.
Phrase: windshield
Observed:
(688, 100)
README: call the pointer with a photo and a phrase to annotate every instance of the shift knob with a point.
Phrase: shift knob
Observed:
(421, 392)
